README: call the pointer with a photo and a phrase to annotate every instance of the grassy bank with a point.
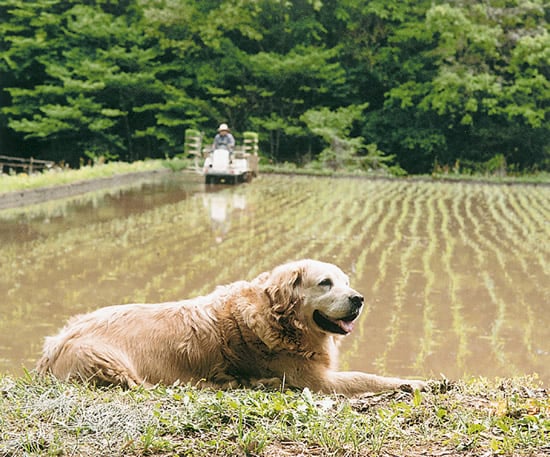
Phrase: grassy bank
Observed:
(474, 417)
(59, 177)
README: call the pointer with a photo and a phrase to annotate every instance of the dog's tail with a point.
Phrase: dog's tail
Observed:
(50, 353)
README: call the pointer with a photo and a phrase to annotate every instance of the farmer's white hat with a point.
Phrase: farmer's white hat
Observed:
(223, 127)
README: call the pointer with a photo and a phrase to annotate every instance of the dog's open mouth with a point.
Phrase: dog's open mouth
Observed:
(340, 326)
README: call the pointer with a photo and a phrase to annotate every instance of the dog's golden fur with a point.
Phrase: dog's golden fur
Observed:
(282, 327)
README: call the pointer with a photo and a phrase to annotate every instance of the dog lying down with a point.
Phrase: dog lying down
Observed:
(282, 327)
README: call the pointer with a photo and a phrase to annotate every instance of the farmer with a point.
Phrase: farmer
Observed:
(224, 139)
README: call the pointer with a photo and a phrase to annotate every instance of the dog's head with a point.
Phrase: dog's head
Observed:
(313, 296)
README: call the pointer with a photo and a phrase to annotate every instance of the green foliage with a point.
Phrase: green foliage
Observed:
(476, 91)
(335, 127)
(100, 91)
(442, 81)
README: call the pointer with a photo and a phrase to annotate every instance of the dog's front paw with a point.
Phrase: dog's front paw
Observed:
(412, 385)
(267, 383)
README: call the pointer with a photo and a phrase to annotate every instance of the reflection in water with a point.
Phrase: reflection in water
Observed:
(455, 275)
(222, 207)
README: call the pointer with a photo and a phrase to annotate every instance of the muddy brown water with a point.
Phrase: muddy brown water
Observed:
(456, 276)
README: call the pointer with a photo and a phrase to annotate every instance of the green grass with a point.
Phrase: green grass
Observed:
(526, 178)
(58, 176)
(474, 417)
(313, 169)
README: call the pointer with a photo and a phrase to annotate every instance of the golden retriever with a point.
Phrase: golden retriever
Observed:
(283, 327)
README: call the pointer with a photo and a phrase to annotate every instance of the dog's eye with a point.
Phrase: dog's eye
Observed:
(326, 283)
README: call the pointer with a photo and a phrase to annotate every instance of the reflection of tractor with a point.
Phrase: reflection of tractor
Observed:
(220, 165)
(223, 207)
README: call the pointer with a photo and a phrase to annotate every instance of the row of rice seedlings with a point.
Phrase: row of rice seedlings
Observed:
(459, 326)
(511, 214)
(318, 231)
(478, 240)
(462, 215)
(407, 254)
(363, 252)
(497, 340)
(398, 210)
(533, 206)
(484, 236)
(502, 242)
(524, 253)
(375, 233)
(511, 242)
(485, 248)
(490, 237)
(470, 228)
(428, 340)
(368, 231)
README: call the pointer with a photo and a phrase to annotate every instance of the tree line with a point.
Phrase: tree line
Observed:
(409, 83)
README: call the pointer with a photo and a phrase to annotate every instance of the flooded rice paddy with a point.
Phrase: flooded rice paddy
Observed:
(456, 276)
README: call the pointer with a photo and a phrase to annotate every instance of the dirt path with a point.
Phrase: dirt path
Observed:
(21, 198)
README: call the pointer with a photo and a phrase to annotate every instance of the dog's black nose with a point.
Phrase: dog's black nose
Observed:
(356, 301)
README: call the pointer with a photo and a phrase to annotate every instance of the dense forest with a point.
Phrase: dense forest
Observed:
(415, 84)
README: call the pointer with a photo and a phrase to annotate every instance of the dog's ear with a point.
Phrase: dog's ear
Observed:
(261, 279)
(282, 287)
(285, 297)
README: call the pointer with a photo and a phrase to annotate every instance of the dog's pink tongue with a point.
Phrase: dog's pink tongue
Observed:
(345, 326)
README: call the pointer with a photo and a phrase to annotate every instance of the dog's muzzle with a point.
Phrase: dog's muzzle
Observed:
(342, 325)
